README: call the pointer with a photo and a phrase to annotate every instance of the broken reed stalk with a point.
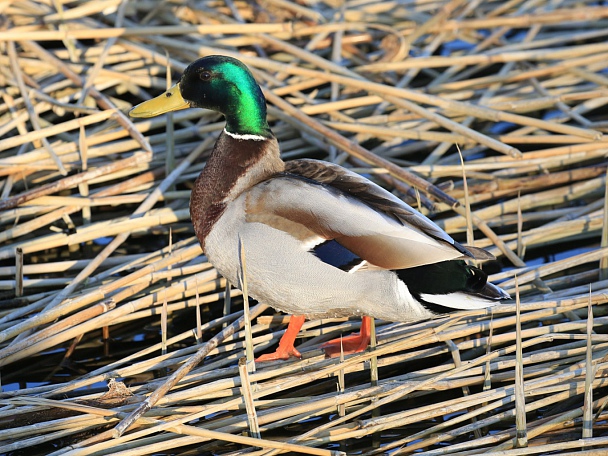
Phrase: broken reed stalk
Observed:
(163, 326)
(250, 362)
(604, 241)
(521, 438)
(18, 272)
(122, 32)
(589, 375)
(246, 388)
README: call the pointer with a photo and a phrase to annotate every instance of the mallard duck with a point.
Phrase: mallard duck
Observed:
(320, 241)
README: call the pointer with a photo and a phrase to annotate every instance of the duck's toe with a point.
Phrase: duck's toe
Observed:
(355, 343)
(347, 345)
(283, 353)
(286, 348)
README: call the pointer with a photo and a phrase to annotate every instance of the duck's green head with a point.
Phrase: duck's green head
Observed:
(218, 83)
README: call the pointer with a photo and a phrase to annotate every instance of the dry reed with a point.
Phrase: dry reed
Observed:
(489, 116)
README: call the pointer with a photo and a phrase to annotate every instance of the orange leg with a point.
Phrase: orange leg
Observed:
(286, 348)
(355, 343)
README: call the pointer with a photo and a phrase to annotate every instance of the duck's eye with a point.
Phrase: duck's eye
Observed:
(204, 75)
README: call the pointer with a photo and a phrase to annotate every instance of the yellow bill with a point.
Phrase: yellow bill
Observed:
(171, 100)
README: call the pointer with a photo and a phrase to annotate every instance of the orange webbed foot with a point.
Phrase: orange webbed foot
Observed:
(286, 348)
(355, 343)
(283, 353)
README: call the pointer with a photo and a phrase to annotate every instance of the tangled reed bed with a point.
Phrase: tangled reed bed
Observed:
(117, 337)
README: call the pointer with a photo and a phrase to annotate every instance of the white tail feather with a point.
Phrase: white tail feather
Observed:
(460, 301)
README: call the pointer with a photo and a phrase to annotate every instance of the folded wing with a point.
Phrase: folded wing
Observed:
(316, 201)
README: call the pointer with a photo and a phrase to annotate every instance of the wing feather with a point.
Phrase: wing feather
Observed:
(315, 199)
(373, 195)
